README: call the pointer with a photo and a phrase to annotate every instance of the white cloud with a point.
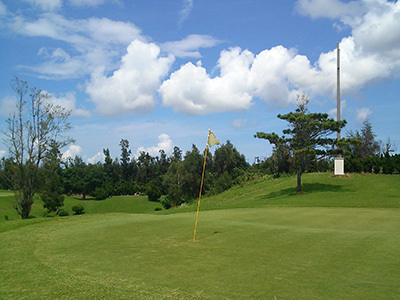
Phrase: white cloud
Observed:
(3, 9)
(131, 88)
(98, 157)
(185, 11)
(86, 2)
(165, 143)
(377, 33)
(68, 101)
(188, 47)
(363, 114)
(372, 22)
(47, 5)
(51, 5)
(2, 153)
(332, 9)
(275, 75)
(72, 151)
(239, 123)
(94, 42)
(192, 91)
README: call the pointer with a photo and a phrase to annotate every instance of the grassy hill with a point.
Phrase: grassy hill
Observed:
(320, 190)
(340, 239)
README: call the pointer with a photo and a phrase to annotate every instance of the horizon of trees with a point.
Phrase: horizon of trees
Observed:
(35, 165)
(178, 175)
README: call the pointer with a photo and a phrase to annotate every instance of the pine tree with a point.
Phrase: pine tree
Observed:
(308, 136)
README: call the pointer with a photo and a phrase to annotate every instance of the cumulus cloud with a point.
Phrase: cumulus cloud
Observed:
(372, 22)
(165, 143)
(131, 88)
(192, 91)
(188, 47)
(276, 75)
(98, 157)
(363, 114)
(71, 152)
(68, 101)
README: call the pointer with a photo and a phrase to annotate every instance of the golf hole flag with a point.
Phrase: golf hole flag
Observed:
(211, 141)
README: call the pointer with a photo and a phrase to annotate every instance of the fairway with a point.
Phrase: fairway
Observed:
(263, 253)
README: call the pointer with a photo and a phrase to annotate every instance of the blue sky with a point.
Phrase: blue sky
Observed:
(161, 73)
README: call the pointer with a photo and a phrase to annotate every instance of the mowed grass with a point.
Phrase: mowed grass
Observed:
(319, 190)
(264, 253)
(125, 204)
(339, 240)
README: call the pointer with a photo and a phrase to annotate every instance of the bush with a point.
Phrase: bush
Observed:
(157, 209)
(153, 192)
(166, 202)
(63, 213)
(78, 209)
(48, 215)
(100, 193)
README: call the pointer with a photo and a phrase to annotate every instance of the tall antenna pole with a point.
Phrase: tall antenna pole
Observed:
(339, 161)
(338, 88)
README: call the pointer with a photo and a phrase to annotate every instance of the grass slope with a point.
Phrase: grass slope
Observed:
(338, 240)
(123, 204)
(320, 190)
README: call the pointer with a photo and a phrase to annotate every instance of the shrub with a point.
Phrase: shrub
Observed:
(157, 209)
(63, 213)
(6, 217)
(153, 192)
(48, 214)
(100, 193)
(78, 209)
(166, 202)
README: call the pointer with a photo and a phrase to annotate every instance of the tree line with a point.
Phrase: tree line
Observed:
(362, 154)
(36, 132)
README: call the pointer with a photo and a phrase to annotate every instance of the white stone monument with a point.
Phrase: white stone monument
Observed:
(339, 166)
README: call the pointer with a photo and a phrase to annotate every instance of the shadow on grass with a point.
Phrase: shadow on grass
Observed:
(307, 188)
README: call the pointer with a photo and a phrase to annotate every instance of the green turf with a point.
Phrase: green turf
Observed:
(126, 204)
(302, 253)
(319, 190)
(338, 240)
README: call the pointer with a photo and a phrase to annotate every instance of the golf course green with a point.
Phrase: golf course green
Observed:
(338, 240)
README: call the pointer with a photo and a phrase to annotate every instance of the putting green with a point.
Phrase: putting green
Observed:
(263, 253)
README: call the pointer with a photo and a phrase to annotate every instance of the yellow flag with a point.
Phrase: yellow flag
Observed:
(212, 139)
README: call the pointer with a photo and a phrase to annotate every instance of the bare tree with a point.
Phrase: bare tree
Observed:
(31, 129)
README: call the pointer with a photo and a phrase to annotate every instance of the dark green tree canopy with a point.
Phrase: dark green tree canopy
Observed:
(309, 136)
